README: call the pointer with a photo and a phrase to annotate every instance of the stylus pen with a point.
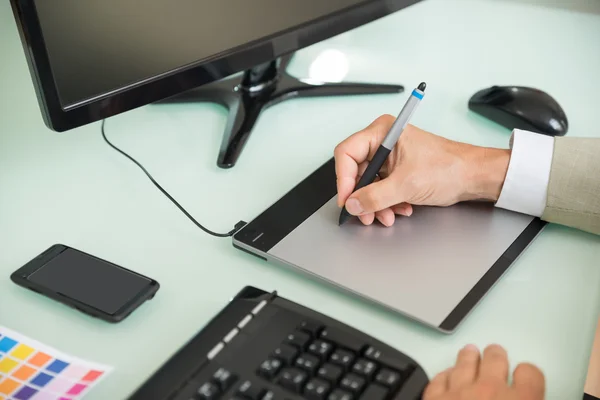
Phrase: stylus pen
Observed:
(388, 143)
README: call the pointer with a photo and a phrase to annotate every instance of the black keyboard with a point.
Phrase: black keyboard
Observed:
(264, 347)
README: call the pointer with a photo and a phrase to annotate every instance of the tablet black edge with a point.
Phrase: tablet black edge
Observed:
(489, 279)
(287, 213)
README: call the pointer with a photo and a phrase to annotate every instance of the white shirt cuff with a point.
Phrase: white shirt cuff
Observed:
(526, 184)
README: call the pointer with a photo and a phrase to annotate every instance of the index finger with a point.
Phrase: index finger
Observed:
(358, 148)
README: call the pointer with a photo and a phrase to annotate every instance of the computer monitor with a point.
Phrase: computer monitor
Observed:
(93, 59)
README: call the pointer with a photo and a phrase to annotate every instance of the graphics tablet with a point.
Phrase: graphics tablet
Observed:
(433, 267)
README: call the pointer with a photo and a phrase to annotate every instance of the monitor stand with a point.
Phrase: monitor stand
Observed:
(258, 88)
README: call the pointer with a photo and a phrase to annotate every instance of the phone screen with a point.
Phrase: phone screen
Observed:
(89, 280)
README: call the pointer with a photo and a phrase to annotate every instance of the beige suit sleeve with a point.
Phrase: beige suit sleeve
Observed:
(574, 186)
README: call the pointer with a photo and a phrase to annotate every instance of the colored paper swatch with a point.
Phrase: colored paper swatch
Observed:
(6, 344)
(8, 386)
(30, 370)
(24, 373)
(39, 359)
(7, 365)
(21, 352)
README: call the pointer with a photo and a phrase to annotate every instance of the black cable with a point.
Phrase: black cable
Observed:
(230, 233)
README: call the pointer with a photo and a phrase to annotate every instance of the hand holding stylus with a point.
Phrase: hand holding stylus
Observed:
(389, 142)
(421, 169)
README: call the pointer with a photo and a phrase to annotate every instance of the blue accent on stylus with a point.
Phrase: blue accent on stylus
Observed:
(417, 95)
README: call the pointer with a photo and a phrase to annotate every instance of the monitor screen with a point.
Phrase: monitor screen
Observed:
(96, 47)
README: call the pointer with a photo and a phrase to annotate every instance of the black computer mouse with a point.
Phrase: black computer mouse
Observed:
(518, 107)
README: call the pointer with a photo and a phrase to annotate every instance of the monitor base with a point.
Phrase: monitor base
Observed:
(258, 88)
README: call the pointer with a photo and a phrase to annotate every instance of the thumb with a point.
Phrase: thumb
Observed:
(374, 197)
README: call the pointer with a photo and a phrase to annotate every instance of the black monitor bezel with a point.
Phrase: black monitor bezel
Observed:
(185, 78)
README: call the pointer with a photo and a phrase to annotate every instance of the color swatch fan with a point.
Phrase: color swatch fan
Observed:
(30, 370)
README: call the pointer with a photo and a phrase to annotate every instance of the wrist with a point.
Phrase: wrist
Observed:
(486, 170)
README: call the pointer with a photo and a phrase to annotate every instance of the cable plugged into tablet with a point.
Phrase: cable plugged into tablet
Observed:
(239, 226)
(232, 232)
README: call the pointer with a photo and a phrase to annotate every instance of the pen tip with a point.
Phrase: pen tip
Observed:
(422, 86)
(343, 217)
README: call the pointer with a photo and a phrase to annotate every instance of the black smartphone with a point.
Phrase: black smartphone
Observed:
(91, 285)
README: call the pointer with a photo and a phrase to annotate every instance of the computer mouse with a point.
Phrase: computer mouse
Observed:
(518, 107)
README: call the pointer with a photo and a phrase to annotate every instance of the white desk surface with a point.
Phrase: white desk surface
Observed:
(73, 189)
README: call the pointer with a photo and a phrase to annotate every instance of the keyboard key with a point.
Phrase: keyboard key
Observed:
(342, 357)
(352, 383)
(342, 339)
(364, 367)
(308, 362)
(321, 348)
(259, 307)
(311, 327)
(388, 359)
(215, 350)
(286, 353)
(269, 368)
(339, 394)
(268, 396)
(316, 389)
(298, 339)
(251, 391)
(388, 378)
(292, 379)
(208, 391)
(330, 372)
(374, 392)
(224, 379)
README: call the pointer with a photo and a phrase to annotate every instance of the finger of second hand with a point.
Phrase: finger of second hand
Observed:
(465, 370)
(529, 381)
(494, 365)
(438, 386)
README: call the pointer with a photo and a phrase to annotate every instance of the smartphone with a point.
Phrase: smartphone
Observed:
(91, 285)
